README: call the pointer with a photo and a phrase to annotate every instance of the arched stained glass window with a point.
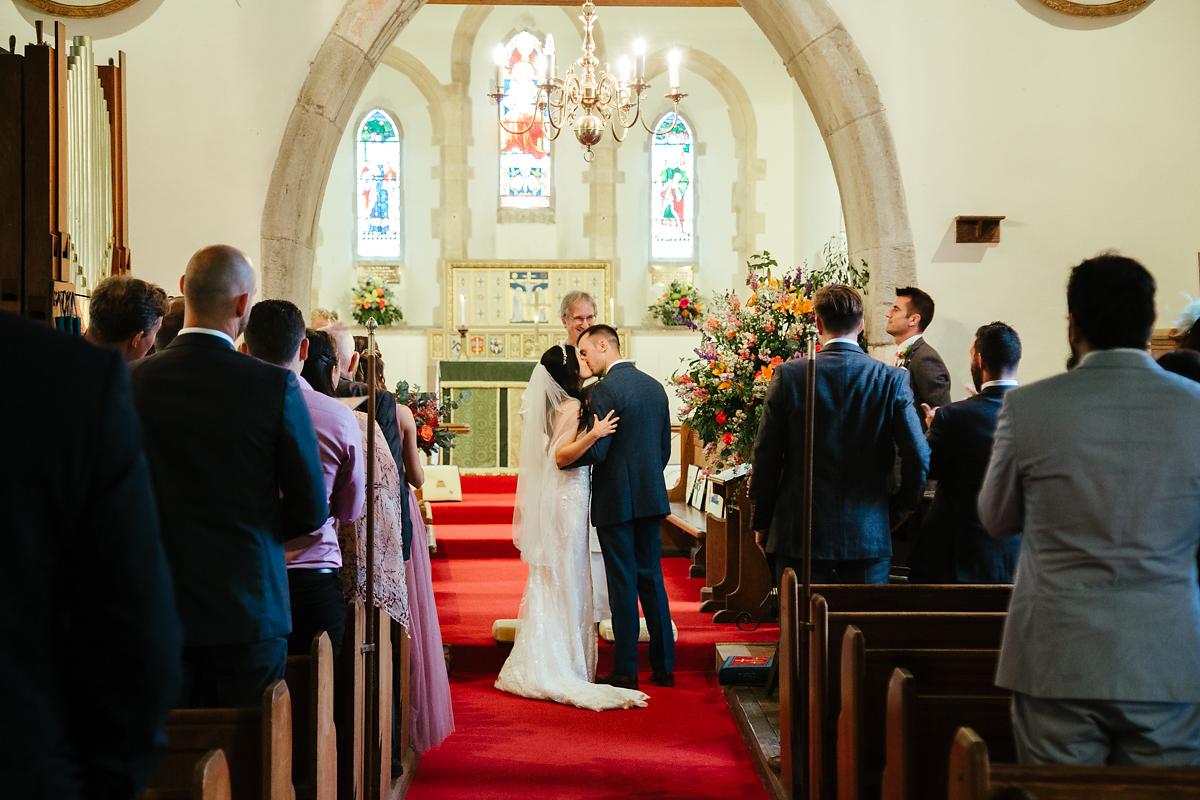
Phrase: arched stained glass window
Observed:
(377, 201)
(672, 189)
(524, 155)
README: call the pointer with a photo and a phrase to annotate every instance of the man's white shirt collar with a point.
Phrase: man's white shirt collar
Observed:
(844, 340)
(1001, 382)
(907, 344)
(210, 332)
(618, 361)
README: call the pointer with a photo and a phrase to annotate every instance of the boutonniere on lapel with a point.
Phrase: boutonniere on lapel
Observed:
(903, 357)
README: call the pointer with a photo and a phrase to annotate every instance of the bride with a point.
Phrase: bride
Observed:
(554, 655)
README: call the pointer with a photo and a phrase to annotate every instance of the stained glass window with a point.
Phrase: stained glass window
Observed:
(377, 199)
(673, 189)
(524, 155)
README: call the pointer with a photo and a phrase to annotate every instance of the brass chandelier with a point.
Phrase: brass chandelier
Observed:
(589, 99)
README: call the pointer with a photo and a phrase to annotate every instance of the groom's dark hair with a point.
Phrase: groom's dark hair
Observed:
(606, 332)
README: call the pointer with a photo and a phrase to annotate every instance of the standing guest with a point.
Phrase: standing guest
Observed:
(275, 334)
(323, 318)
(907, 322)
(236, 472)
(578, 313)
(385, 412)
(90, 661)
(125, 313)
(171, 325)
(864, 416)
(1182, 362)
(1099, 467)
(952, 546)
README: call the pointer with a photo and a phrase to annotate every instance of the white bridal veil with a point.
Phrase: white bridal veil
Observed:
(537, 531)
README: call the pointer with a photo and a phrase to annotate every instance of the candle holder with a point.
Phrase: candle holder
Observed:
(462, 342)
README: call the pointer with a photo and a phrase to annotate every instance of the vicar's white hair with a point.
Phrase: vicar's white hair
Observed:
(571, 298)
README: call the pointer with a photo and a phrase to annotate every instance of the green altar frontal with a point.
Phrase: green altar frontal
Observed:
(492, 409)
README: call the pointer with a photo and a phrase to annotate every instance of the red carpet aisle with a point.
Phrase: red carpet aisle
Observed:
(685, 745)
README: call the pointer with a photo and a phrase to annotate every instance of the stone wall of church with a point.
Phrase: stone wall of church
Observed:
(1081, 133)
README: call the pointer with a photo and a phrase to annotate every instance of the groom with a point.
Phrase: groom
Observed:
(629, 502)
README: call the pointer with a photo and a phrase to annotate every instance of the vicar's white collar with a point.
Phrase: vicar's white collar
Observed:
(210, 332)
(907, 344)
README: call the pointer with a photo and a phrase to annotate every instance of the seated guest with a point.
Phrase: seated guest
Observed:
(275, 334)
(1182, 362)
(90, 661)
(952, 546)
(385, 411)
(1099, 468)
(126, 313)
(864, 416)
(171, 325)
(323, 318)
(236, 473)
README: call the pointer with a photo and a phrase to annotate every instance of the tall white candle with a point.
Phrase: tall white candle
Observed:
(624, 68)
(673, 59)
(639, 52)
(498, 57)
(462, 310)
(549, 50)
(612, 312)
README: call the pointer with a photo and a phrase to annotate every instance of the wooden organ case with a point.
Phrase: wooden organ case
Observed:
(64, 222)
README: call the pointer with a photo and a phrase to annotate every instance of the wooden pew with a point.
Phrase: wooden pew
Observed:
(915, 630)
(257, 743)
(915, 596)
(958, 676)
(747, 584)
(310, 682)
(685, 521)
(972, 776)
(923, 713)
(210, 781)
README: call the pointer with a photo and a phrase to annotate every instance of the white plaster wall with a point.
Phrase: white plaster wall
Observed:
(210, 86)
(1084, 136)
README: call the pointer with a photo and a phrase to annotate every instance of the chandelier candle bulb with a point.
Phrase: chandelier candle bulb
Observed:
(624, 68)
(498, 56)
(639, 50)
(673, 59)
(549, 51)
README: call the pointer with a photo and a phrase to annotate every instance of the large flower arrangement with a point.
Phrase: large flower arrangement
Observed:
(680, 305)
(375, 300)
(429, 413)
(741, 345)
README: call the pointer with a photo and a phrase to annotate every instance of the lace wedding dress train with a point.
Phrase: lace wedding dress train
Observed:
(554, 655)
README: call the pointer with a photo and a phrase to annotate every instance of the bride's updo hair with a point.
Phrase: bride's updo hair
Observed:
(562, 362)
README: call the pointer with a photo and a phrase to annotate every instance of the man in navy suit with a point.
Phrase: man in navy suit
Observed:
(629, 502)
(237, 473)
(90, 661)
(953, 547)
(864, 415)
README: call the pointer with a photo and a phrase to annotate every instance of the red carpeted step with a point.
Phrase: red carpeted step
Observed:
(493, 540)
(484, 508)
(492, 484)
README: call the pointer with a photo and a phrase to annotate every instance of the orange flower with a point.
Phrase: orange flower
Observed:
(379, 292)
(426, 433)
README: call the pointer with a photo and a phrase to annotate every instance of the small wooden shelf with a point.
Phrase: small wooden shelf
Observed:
(977, 230)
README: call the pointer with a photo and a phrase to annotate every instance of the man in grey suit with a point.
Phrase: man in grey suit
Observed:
(1100, 468)
(864, 416)
(907, 321)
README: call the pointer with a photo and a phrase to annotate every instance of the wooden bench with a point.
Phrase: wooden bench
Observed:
(923, 713)
(314, 760)
(972, 776)
(257, 744)
(915, 596)
(210, 781)
(685, 522)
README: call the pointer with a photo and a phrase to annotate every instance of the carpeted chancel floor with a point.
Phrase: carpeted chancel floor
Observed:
(684, 745)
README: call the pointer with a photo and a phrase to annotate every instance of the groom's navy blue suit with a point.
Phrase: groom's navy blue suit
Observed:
(629, 501)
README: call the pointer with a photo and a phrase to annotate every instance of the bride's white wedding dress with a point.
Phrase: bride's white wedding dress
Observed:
(554, 655)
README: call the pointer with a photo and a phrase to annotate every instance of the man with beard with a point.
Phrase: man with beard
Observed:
(907, 321)
(952, 546)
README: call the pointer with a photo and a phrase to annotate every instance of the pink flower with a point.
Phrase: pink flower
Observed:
(721, 417)
(683, 302)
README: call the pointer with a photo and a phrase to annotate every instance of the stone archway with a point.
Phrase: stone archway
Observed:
(816, 49)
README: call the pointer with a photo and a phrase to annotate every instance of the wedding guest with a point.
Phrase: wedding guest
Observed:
(236, 474)
(952, 546)
(385, 410)
(578, 313)
(1182, 362)
(907, 321)
(90, 661)
(1097, 468)
(171, 325)
(125, 313)
(275, 334)
(864, 415)
(323, 318)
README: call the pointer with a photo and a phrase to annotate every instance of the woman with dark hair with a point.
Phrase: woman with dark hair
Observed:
(320, 368)
(554, 654)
